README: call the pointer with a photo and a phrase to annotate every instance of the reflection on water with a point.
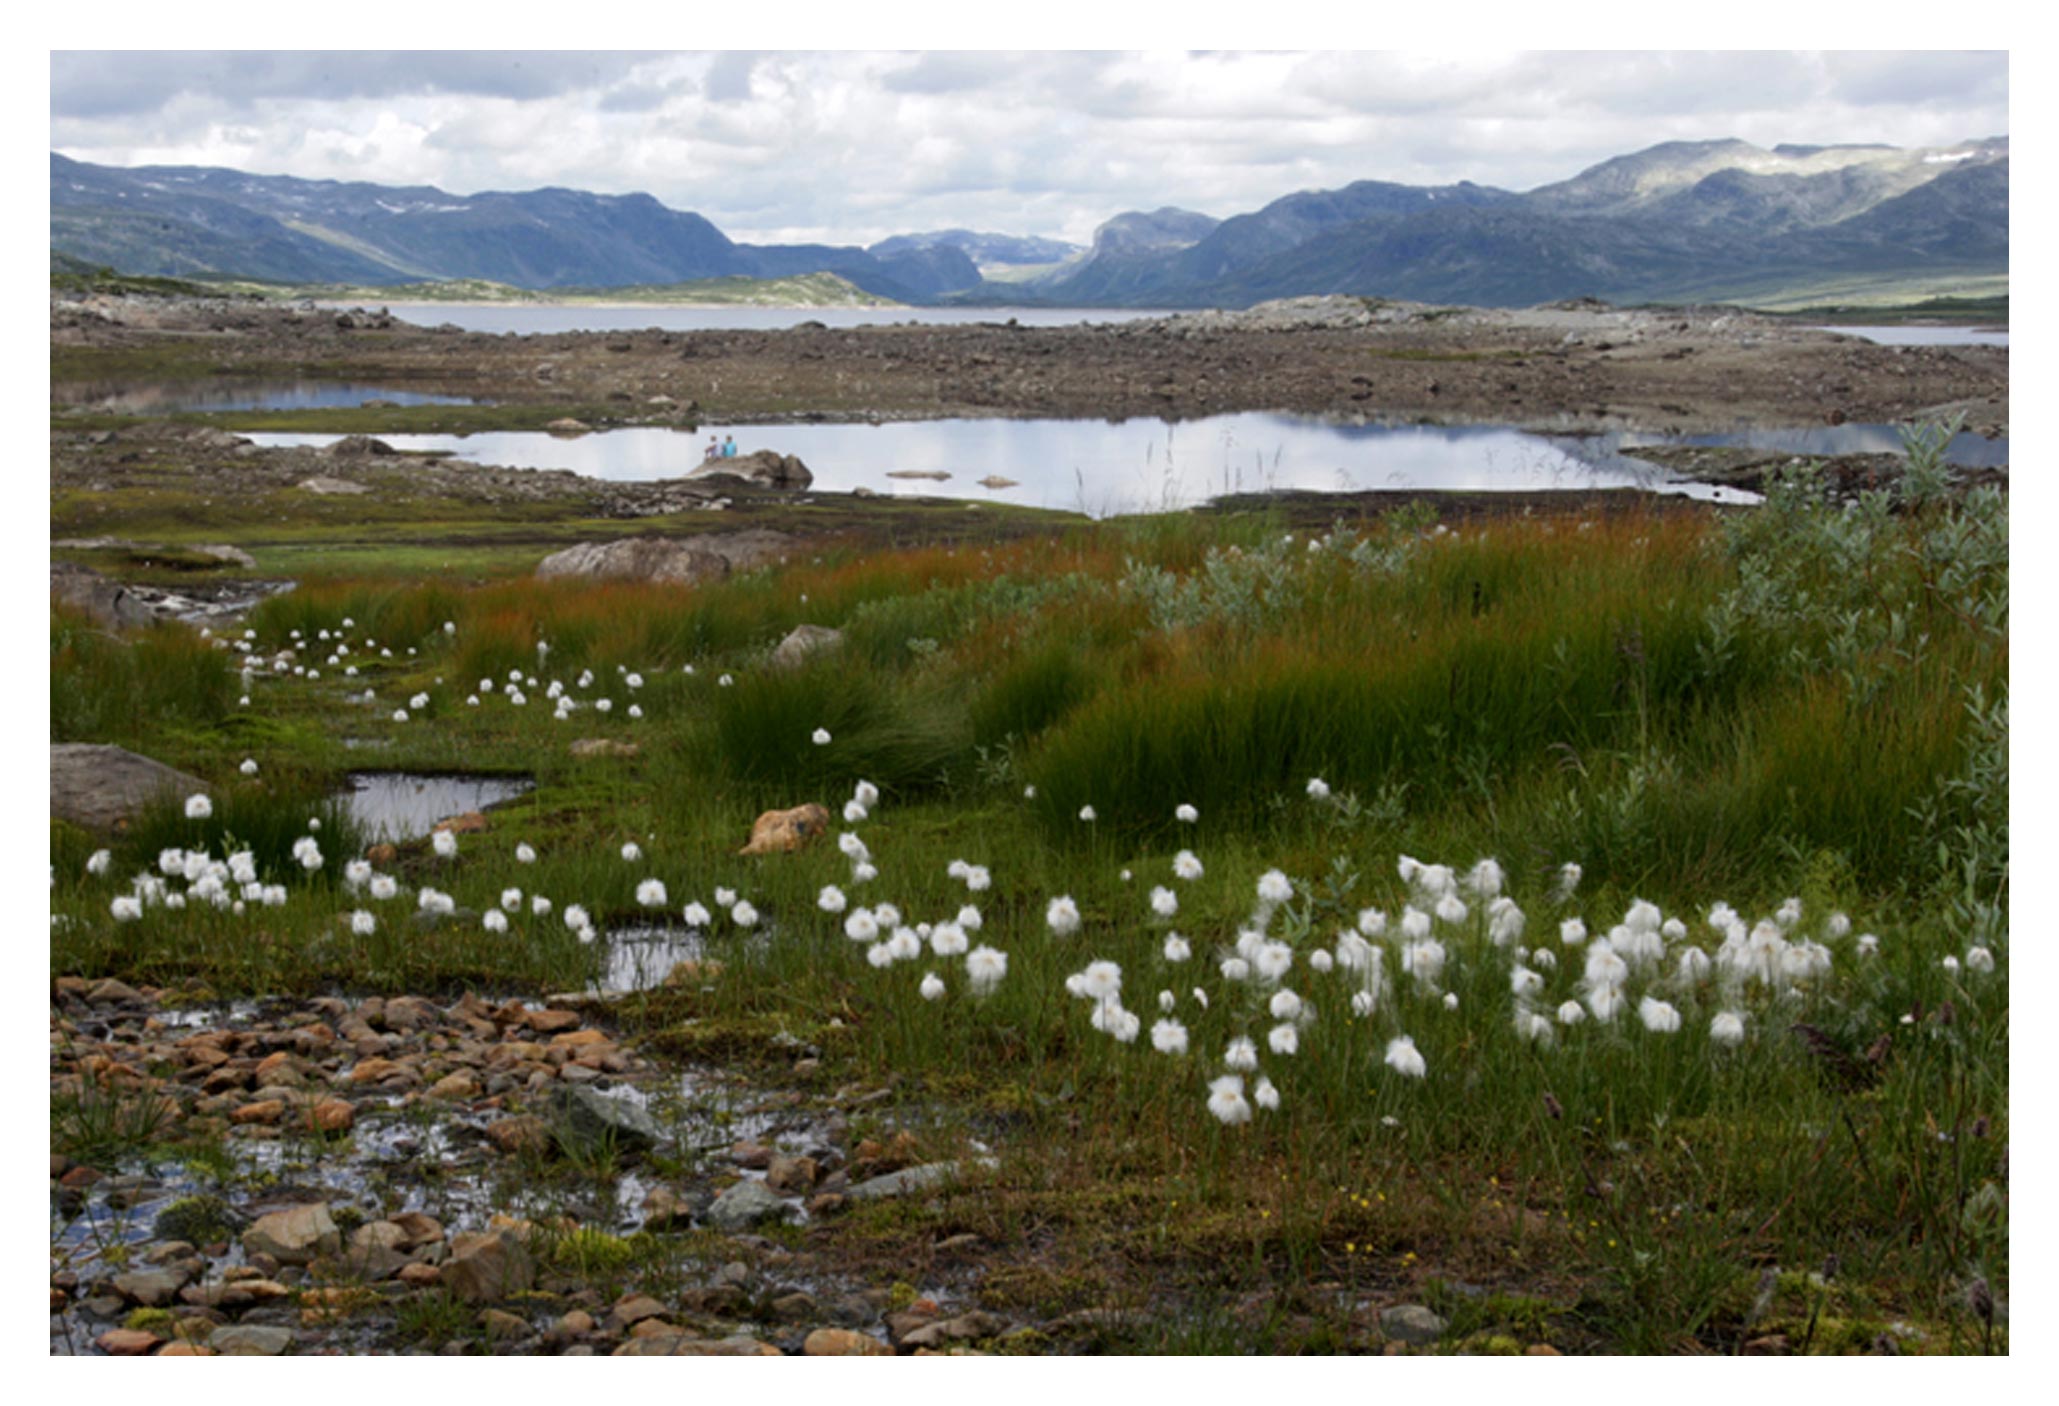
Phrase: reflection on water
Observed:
(1108, 467)
(567, 317)
(1928, 336)
(397, 806)
(640, 958)
(171, 397)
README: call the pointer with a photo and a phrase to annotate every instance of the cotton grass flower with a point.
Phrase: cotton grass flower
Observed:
(1177, 948)
(743, 914)
(1169, 1037)
(651, 893)
(631, 852)
(1164, 902)
(853, 812)
(1227, 1102)
(126, 909)
(1062, 916)
(820, 737)
(511, 900)
(445, 843)
(1727, 1029)
(861, 926)
(695, 915)
(1274, 887)
(1283, 1039)
(1572, 932)
(383, 886)
(363, 923)
(1185, 814)
(524, 854)
(494, 920)
(540, 906)
(831, 899)
(101, 862)
(249, 767)
(932, 986)
(1186, 866)
(1404, 1058)
(1569, 880)
(1659, 1017)
(1318, 789)
(1572, 1013)
(984, 968)
(1979, 959)
(969, 919)
(198, 807)
(1087, 814)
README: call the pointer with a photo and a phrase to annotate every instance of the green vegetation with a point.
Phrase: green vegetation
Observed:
(1800, 712)
(826, 290)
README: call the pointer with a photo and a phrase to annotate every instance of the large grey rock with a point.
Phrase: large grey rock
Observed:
(250, 1340)
(802, 641)
(585, 1120)
(765, 468)
(104, 788)
(110, 603)
(687, 560)
(744, 1205)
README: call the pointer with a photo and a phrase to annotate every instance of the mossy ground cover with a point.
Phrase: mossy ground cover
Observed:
(1807, 703)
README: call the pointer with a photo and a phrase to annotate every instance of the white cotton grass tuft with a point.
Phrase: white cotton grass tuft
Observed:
(1727, 1029)
(651, 893)
(1569, 880)
(1185, 865)
(1177, 948)
(494, 920)
(525, 854)
(1164, 902)
(1186, 814)
(383, 886)
(696, 916)
(1658, 1016)
(743, 914)
(1242, 1054)
(1318, 789)
(1283, 1039)
(820, 737)
(101, 862)
(1062, 916)
(1980, 959)
(1168, 1036)
(363, 923)
(861, 926)
(632, 852)
(445, 843)
(1274, 887)
(1227, 1102)
(1087, 814)
(198, 807)
(1265, 1095)
(984, 967)
(1404, 1058)
(831, 899)
(249, 767)
(932, 986)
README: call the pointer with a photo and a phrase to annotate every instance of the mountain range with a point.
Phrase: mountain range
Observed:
(1679, 221)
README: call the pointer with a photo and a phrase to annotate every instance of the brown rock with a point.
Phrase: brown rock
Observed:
(842, 1342)
(126, 1342)
(519, 1134)
(632, 1309)
(420, 1276)
(378, 1070)
(548, 1022)
(489, 1265)
(294, 1236)
(187, 1350)
(792, 1176)
(417, 1229)
(785, 831)
(266, 1111)
(457, 1087)
(471, 822)
(332, 1115)
(685, 1345)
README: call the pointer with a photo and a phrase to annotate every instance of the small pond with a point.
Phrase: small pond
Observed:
(397, 806)
(1105, 467)
(174, 397)
(1916, 336)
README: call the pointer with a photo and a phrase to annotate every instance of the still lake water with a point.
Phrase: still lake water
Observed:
(1147, 465)
(232, 393)
(529, 318)
(1928, 336)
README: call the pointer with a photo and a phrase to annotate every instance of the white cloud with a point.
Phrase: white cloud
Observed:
(848, 147)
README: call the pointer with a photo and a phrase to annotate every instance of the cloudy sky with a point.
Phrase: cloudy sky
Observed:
(848, 147)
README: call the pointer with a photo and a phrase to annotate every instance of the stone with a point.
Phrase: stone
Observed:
(110, 604)
(126, 1342)
(488, 1265)
(550, 1022)
(354, 445)
(566, 425)
(331, 1115)
(632, 1310)
(842, 1342)
(416, 1229)
(152, 1288)
(744, 1205)
(420, 1276)
(762, 468)
(708, 557)
(251, 1340)
(686, 1345)
(187, 1350)
(785, 831)
(912, 1179)
(802, 641)
(105, 788)
(586, 1120)
(666, 1209)
(458, 1087)
(1411, 1323)
(265, 1111)
(502, 1326)
(587, 748)
(294, 1236)
(792, 1176)
(966, 1327)
(328, 485)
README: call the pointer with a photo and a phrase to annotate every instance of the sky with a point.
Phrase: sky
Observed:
(849, 147)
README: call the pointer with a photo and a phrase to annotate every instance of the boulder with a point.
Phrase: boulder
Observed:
(352, 445)
(110, 603)
(764, 468)
(784, 831)
(744, 1205)
(585, 1119)
(487, 1266)
(802, 641)
(296, 1235)
(323, 483)
(686, 560)
(104, 788)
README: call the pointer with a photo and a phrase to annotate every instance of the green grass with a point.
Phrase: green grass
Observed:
(1798, 703)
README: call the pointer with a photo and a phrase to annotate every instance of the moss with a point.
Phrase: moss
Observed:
(151, 1320)
(198, 1220)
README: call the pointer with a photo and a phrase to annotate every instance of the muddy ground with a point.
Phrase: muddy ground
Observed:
(1566, 366)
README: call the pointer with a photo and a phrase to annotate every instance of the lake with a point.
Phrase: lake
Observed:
(1928, 336)
(568, 317)
(1104, 467)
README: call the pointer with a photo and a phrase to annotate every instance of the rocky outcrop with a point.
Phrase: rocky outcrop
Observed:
(104, 788)
(110, 603)
(680, 559)
(802, 641)
(765, 468)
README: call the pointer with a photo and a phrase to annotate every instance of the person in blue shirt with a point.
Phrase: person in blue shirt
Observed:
(728, 447)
